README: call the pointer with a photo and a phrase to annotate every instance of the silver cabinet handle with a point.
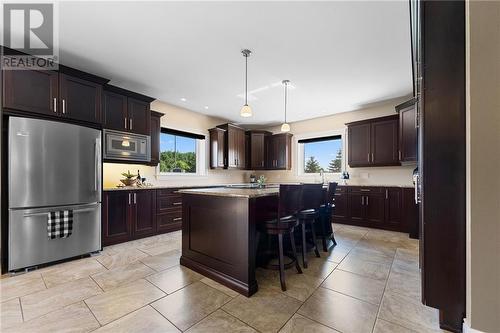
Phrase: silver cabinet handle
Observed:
(55, 105)
(386, 194)
(399, 154)
(130, 123)
(365, 190)
(129, 199)
(135, 198)
(373, 160)
(64, 106)
(368, 157)
(177, 219)
(362, 200)
(125, 122)
(367, 202)
(177, 203)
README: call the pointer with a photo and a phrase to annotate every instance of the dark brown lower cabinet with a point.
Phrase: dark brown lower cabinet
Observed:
(389, 208)
(144, 213)
(168, 211)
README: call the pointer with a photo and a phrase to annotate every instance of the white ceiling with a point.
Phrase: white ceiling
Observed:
(339, 56)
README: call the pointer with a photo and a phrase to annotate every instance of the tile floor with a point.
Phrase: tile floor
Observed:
(368, 283)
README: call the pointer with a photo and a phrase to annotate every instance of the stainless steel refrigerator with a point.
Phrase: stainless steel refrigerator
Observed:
(52, 166)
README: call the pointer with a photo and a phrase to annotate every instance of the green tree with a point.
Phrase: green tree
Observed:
(171, 161)
(336, 164)
(312, 165)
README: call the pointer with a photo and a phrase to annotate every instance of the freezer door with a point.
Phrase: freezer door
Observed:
(29, 244)
(53, 163)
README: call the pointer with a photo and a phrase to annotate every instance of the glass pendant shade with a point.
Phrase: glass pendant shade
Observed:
(285, 127)
(246, 111)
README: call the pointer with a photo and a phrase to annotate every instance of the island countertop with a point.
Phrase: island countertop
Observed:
(233, 192)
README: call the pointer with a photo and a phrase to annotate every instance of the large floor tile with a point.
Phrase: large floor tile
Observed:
(301, 324)
(163, 261)
(189, 305)
(319, 267)
(366, 268)
(45, 301)
(404, 283)
(298, 286)
(341, 312)
(372, 255)
(221, 322)
(167, 246)
(10, 314)
(174, 278)
(118, 302)
(266, 311)
(122, 275)
(409, 312)
(143, 320)
(336, 254)
(121, 258)
(20, 285)
(357, 286)
(383, 326)
(75, 318)
(219, 287)
(70, 271)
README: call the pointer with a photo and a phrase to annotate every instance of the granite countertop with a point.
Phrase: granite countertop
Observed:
(234, 192)
(158, 187)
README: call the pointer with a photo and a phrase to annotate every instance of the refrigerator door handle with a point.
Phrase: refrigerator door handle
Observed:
(75, 209)
(96, 162)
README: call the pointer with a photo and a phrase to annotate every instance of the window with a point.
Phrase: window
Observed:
(322, 154)
(179, 151)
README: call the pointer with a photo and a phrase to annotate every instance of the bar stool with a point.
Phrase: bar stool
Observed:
(326, 212)
(312, 198)
(284, 224)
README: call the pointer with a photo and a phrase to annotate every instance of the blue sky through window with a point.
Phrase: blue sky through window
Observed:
(323, 151)
(184, 145)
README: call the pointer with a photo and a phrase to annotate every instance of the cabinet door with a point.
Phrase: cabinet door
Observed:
(393, 208)
(80, 99)
(216, 148)
(407, 135)
(31, 91)
(139, 116)
(283, 143)
(359, 145)
(384, 142)
(357, 207)
(257, 151)
(155, 139)
(115, 111)
(232, 147)
(144, 213)
(270, 152)
(241, 150)
(375, 210)
(341, 210)
(115, 218)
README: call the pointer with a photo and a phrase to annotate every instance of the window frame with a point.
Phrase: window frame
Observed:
(300, 159)
(200, 152)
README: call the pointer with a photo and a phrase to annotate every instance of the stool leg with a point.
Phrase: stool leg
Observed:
(304, 246)
(323, 232)
(281, 262)
(314, 239)
(294, 251)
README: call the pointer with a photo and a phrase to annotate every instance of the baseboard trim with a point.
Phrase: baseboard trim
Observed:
(467, 329)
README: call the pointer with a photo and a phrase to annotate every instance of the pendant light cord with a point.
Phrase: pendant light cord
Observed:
(246, 79)
(286, 89)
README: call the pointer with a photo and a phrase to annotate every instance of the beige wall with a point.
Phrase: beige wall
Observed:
(381, 175)
(483, 165)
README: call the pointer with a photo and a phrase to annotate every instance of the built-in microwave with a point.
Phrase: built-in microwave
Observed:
(126, 146)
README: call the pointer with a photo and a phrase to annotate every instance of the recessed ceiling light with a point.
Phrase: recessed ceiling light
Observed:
(183, 99)
(206, 107)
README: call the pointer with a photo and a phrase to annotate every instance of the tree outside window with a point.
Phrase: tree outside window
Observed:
(177, 153)
(323, 155)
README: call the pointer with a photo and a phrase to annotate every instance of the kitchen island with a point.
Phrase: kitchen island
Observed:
(219, 236)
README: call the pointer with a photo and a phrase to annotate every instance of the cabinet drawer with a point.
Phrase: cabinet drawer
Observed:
(168, 218)
(169, 202)
(167, 191)
(341, 189)
(365, 189)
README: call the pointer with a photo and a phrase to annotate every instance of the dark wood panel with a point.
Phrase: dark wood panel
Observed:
(375, 210)
(168, 222)
(407, 132)
(384, 142)
(139, 116)
(217, 148)
(155, 137)
(357, 207)
(31, 91)
(80, 99)
(393, 208)
(257, 147)
(116, 226)
(144, 213)
(341, 210)
(115, 111)
(166, 203)
(358, 151)
(409, 213)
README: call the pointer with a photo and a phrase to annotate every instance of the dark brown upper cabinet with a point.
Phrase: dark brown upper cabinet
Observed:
(234, 146)
(256, 149)
(373, 142)
(217, 159)
(68, 93)
(80, 99)
(155, 137)
(279, 151)
(407, 131)
(125, 110)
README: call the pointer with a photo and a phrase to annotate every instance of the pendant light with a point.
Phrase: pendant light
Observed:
(246, 111)
(285, 127)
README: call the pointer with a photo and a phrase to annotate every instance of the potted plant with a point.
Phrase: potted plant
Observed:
(129, 180)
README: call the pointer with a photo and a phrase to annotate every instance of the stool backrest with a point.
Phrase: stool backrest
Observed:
(289, 201)
(312, 196)
(332, 187)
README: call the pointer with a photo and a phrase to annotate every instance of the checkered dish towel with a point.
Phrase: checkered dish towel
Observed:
(60, 224)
